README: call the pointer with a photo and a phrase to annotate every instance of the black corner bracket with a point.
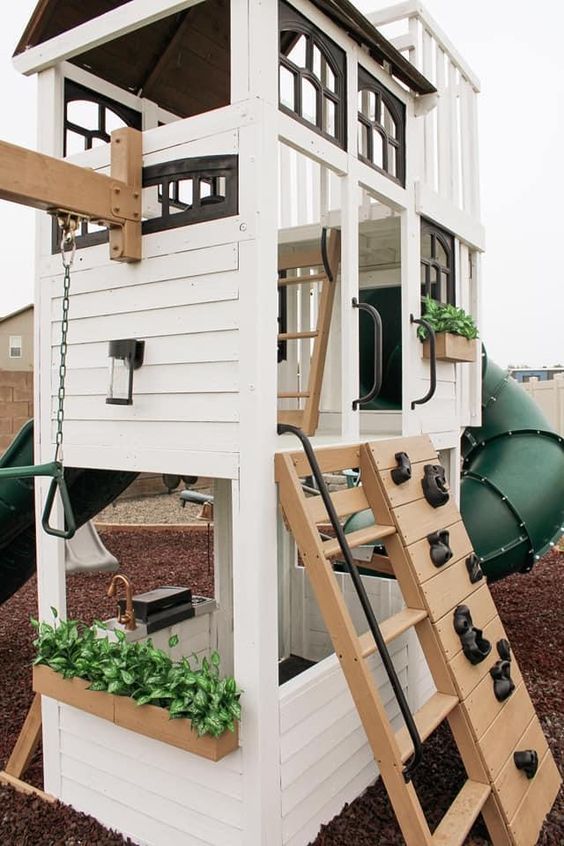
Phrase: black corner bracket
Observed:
(440, 550)
(528, 761)
(475, 647)
(475, 572)
(434, 485)
(401, 473)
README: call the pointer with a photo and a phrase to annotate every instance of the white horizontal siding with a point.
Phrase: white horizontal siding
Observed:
(147, 436)
(150, 323)
(86, 275)
(195, 348)
(186, 392)
(126, 780)
(325, 757)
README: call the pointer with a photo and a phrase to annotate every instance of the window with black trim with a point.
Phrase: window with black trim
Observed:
(312, 76)
(381, 127)
(437, 263)
(192, 190)
(89, 120)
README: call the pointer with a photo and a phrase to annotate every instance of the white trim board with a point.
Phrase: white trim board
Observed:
(121, 21)
(465, 227)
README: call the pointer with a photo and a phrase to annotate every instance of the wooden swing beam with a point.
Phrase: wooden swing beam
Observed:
(54, 185)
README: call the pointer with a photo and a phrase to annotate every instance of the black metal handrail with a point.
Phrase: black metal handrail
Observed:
(378, 371)
(325, 256)
(413, 763)
(432, 361)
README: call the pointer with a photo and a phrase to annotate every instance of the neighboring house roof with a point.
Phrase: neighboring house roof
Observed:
(147, 60)
(16, 313)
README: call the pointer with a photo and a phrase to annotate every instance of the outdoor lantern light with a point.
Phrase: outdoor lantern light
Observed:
(125, 356)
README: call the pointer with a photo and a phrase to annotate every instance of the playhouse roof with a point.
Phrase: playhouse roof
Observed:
(146, 61)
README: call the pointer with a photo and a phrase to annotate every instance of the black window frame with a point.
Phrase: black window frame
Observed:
(367, 82)
(430, 265)
(293, 22)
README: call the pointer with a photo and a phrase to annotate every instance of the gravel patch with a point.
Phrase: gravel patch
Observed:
(161, 508)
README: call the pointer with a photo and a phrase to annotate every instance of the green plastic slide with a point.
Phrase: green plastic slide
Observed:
(512, 485)
(90, 492)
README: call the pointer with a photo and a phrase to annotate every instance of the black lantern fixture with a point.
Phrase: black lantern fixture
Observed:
(126, 355)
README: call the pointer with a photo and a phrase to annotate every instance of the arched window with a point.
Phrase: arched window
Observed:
(381, 127)
(437, 263)
(90, 118)
(312, 76)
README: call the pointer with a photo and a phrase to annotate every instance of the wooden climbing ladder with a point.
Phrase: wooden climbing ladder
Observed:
(513, 801)
(324, 261)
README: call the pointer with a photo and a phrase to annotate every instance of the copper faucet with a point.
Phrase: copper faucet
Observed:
(127, 617)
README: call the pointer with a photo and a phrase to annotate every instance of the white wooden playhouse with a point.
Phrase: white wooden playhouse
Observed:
(263, 123)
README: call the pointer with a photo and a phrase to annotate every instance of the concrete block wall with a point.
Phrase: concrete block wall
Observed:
(16, 403)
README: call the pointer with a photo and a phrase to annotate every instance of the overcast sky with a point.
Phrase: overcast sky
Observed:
(515, 49)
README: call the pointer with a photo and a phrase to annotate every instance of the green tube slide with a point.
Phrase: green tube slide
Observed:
(90, 492)
(512, 485)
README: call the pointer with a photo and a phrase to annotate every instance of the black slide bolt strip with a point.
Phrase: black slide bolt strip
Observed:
(414, 762)
(432, 362)
(377, 383)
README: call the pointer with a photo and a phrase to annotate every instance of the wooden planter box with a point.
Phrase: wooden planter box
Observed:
(124, 712)
(449, 347)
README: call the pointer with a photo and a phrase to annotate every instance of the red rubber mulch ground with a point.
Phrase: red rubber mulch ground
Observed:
(532, 609)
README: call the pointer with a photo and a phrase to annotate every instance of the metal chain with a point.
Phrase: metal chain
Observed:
(68, 226)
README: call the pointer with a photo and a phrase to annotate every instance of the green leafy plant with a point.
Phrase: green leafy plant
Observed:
(447, 318)
(142, 672)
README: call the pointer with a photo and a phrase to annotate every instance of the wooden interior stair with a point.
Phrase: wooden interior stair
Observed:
(487, 732)
(326, 257)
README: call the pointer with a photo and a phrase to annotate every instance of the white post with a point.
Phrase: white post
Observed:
(349, 317)
(51, 580)
(410, 288)
(254, 497)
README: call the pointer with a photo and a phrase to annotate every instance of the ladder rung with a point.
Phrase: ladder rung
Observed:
(460, 817)
(427, 718)
(368, 535)
(295, 336)
(391, 628)
(293, 394)
(301, 280)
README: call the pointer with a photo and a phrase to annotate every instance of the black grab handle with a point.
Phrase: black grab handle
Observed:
(432, 362)
(378, 373)
(58, 483)
(352, 570)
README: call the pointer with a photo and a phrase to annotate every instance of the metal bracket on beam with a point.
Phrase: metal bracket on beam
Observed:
(43, 182)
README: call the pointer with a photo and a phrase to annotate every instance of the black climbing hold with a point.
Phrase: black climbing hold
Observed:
(528, 761)
(434, 485)
(474, 570)
(503, 649)
(401, 473)
(440, 550)
(474, 646)
(503, 683)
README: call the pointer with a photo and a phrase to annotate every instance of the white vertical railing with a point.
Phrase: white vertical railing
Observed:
(450, 161)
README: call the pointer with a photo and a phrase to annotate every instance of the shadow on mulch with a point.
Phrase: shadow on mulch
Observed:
(532, 609)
